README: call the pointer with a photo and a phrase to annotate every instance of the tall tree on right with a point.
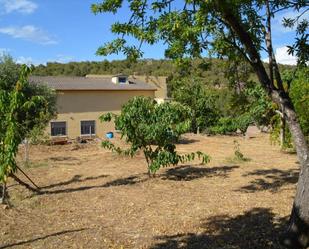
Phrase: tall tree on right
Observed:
(230, 29)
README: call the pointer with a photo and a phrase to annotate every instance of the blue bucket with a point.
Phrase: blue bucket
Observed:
(109, 135)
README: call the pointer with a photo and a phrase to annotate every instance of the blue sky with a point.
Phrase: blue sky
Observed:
(37, 31)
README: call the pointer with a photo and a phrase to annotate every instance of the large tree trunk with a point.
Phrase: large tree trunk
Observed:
(297, 235)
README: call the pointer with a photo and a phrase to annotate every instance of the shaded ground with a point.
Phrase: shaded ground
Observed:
(92, 198)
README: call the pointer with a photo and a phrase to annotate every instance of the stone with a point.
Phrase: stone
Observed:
(252, 132)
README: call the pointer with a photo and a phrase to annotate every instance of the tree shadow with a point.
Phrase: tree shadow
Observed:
(189, 173)
(187, 141)
(74, 179)
(131, 180)
(41, 238)
(255, 229)
(63, 158)
(272, 180)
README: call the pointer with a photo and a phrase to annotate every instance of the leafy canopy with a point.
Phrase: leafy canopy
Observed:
(201, 100)
(154, 129)
(191, 27)
(23, 107)
(299, 93)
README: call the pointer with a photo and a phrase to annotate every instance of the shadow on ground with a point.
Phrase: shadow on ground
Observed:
(272, 179)
(187, 141)
(63, 158)
(131, 180)
(182, 173)
(256, 229)
(189, 173)
(25, 242)
(74, 179)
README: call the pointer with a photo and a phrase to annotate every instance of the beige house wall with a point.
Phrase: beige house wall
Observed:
(76, 106)
(158, 82)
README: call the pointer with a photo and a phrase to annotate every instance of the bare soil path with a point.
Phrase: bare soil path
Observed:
(96, 199)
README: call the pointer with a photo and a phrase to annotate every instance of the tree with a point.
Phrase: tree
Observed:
(23, 107)
(154, 129)
(299, 92)
(232, 29)
(47, 109)
(193, 93)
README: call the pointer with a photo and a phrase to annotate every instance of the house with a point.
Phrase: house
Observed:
(82, 100)
(159, 82)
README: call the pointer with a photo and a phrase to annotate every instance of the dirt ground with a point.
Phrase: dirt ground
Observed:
(93, 198)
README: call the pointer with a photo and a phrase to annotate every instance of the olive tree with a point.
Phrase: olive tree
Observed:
(230, 29)
(154, 129)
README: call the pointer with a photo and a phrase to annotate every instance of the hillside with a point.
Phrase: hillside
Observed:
(212, 69)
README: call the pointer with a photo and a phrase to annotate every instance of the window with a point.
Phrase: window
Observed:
(122, 80)
(87, 127)
(58, 128)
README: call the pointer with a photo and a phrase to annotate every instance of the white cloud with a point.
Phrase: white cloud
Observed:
(283, 57)
(29, 33)
(60, 58)
(21, 6)
(26, 60)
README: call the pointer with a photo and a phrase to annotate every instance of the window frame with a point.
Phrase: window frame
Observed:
(95, 128)
(65, 127)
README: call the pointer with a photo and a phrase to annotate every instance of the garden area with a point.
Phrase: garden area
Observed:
(94, 198)
(220, 161)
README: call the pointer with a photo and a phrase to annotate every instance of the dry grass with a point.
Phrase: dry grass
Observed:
(96, 199)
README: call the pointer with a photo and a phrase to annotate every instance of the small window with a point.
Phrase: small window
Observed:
(58, 129)
(87, 127)
(122, 80)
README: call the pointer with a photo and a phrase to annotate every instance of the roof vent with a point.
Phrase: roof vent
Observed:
(120, 79)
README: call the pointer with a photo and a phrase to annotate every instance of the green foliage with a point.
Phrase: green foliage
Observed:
(250, 105)
(275, 133)
(154, 129)
(37, 135)
(260, 107)
(225, 125)
(297, 84)
(202, 102)
(239, 156)
(191, 27)
(226, 109)
(21, 110)
(237, 30)
(300, 48)
(299, 93)
(43, 112)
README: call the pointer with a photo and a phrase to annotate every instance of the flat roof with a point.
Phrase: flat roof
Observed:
(90, 84)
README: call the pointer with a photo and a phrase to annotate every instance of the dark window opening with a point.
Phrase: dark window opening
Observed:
(122, 80)
(87, 127)
(58, 128)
